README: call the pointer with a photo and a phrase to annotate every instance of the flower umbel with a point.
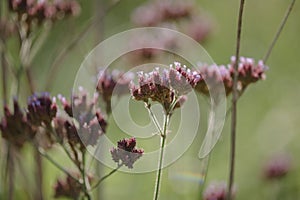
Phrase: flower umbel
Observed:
(126, 152)
(165, 88)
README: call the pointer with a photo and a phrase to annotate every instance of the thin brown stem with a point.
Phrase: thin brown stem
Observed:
(234, 102)
(282, 24)
(11, 172)
(4, 77)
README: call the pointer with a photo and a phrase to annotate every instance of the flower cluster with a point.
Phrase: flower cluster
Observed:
(44, 10)
(277, 167)
(217, 191)
(22, 126)
(213, 77)
(108, 84)
(166, 88)
(160, 13)
(126, 152)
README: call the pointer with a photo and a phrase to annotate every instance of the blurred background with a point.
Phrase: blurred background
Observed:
(268, 112)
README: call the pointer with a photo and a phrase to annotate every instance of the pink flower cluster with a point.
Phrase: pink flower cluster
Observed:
(165, 88)
(45, 9)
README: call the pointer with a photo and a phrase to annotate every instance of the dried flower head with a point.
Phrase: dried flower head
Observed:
(277, 167)
(115, 82)
(15, 127)
(126, 152)
(217, 191)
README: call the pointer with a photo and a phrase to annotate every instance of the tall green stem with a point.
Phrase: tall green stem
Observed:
(161, 157)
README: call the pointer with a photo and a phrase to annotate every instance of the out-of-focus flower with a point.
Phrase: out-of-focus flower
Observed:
(277, 167)
(15, 127)
(126, 152)
(179, 15)
(154, 13)
(198, 28)
(217, 191)
(146, 15)
(173, 10)
(41, 109)
(248, 71)
(115, 82)
(214, 77)
(91, 123)
(33, 12)
(68, 187)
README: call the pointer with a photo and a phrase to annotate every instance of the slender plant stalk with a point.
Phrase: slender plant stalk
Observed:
(161, 157)
(234, 103)
(106, 176)
(10, 168)
(154, 119)
(85, 184)
(4, 78)
(50, 159)
(282, 24)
